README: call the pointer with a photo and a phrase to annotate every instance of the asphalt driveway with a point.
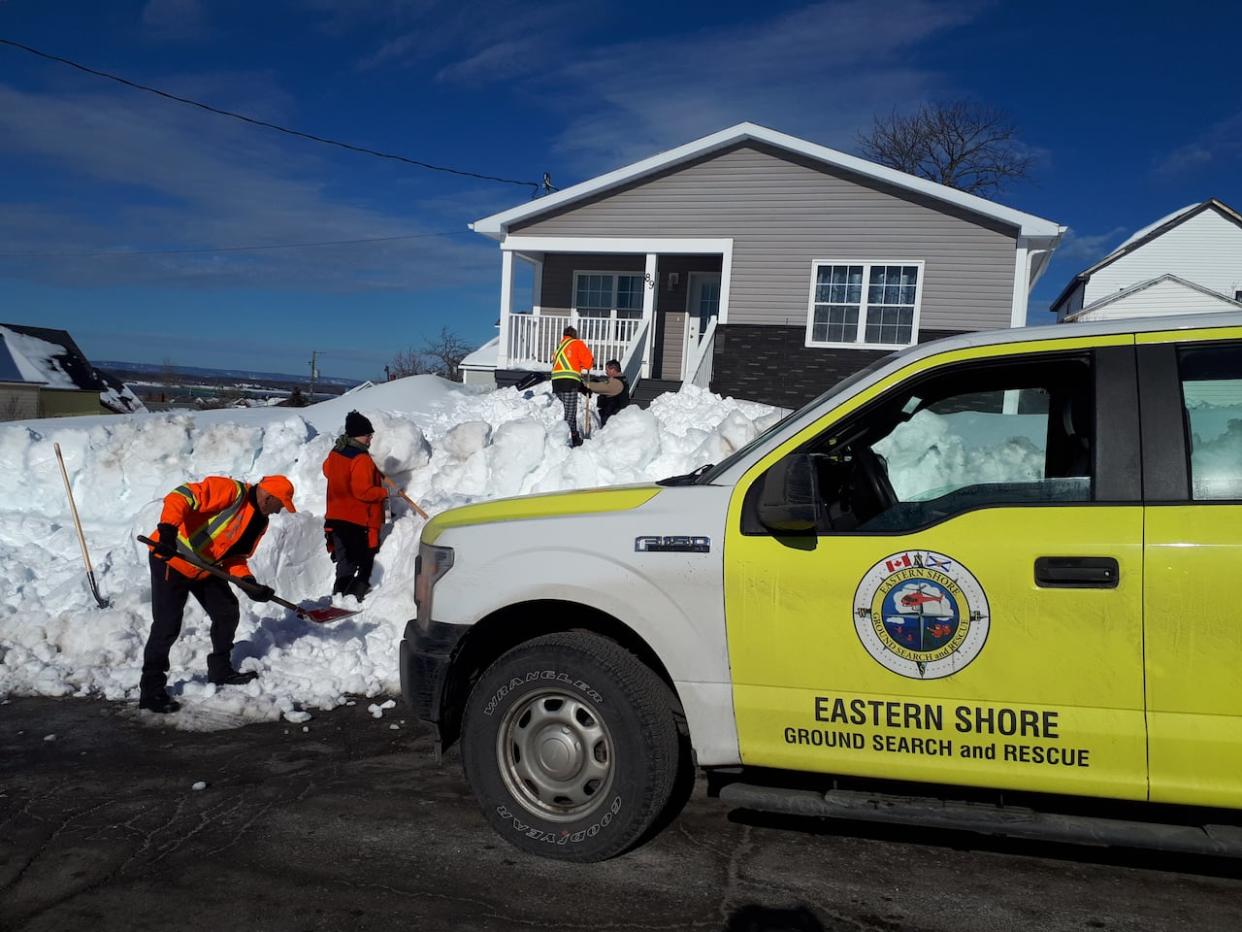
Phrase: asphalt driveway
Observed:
(350, 823)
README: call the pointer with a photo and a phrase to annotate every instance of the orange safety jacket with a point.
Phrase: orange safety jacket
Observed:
(570, 358)
(356, 491)
(210, 516)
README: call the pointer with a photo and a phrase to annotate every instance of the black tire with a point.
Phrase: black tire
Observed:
(597, 715)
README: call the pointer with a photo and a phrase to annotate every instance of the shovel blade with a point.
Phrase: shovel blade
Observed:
(322, 616)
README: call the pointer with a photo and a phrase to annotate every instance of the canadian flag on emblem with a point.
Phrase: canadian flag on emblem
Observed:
(894, 565)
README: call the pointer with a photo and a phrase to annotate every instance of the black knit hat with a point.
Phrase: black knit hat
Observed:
(357, 426)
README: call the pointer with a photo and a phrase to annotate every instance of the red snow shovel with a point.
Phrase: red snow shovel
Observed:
(318, 615)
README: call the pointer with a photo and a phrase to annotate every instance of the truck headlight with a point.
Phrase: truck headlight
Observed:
(432, 563)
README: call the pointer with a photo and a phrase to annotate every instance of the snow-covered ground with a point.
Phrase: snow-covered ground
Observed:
(446, 444)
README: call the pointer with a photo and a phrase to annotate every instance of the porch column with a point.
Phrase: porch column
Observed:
(537, 287)
(650, 283)
(506, 306)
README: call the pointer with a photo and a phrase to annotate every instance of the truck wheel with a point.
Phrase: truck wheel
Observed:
(570, 745)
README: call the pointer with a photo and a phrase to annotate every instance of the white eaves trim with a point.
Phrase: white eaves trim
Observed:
(496, 226)
(1228, 302)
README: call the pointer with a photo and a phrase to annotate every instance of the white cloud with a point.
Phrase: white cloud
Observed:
(822, 71)
(174, 20)
(1086, 248)
(141, 174)
(1221, 143)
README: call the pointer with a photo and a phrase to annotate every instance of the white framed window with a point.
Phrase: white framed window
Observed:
(608, 294)
(864, 305)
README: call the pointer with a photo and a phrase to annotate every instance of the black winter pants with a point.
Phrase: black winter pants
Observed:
(354, 559)
(169, 592)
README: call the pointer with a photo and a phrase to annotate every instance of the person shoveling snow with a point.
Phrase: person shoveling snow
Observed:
(443, 443)
(220, 521)
(355, 514)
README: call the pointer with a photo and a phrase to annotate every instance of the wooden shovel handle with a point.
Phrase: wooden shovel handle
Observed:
(241, 584)
(409, 501)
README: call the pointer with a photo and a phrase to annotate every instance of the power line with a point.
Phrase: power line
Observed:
(535, 186)
(123, 253)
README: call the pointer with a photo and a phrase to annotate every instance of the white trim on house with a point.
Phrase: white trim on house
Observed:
(867, 264)
(497, 225)
(1230, 303)
(636, 245)
(1021, 282)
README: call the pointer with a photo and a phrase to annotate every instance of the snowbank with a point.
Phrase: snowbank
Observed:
(447, 444)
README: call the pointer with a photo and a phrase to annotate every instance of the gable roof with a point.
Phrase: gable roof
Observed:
(496, 226)
(53, 357)
(1230, 303)
(1146, 235)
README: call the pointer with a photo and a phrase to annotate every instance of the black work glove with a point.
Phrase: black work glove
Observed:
(257, 591)
(166, 546)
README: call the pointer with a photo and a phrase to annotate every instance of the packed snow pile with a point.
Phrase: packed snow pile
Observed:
(446, 444)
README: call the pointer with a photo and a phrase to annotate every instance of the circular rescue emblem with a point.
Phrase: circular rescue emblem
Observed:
(921, 614)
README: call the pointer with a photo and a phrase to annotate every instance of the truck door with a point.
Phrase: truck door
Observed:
(1191, 393)
(966, 606)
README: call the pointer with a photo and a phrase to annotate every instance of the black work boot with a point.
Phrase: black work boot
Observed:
(231, 677)
(160, 703)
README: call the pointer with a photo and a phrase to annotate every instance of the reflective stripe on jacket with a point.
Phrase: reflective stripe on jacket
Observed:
(210, 517)
(356, 492)
(570, 358)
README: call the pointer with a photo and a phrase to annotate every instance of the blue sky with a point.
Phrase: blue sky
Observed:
(1133, 111)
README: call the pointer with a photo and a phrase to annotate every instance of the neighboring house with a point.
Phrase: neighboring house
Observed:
(43, 373)
(479, 367)
(1189, 262)
(759, 265)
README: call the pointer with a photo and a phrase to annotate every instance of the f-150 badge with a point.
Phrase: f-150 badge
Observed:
(921, 614)
(673, 544)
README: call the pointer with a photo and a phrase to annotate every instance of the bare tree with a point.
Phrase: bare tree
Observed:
(964, 145)
(409, 362)
(447, 351)
(441, 355)
(168, 378)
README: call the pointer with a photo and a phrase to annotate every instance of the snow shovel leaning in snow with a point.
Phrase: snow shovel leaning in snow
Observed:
(77, 523)
(317, 615)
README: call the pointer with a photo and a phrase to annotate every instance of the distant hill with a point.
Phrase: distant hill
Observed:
(237, 375)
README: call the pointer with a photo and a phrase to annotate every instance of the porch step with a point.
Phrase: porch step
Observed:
(649, 389)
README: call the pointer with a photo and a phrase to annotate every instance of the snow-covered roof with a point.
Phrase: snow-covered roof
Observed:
(497, 225)
(51, 359)
(1146, 235)
(15, 367)
(482, 358)
(1228, 302)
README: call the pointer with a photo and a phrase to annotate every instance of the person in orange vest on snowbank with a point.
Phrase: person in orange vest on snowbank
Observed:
(570, 364)
(221, 521)
(355, 512)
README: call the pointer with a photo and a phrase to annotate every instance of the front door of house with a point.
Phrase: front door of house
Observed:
(702, 306)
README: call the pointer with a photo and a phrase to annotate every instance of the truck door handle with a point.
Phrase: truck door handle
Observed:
(1077, 573)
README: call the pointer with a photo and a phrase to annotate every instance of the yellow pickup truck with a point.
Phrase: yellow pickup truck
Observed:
(989, 569)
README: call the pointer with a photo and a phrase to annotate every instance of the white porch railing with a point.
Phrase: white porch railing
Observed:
(699, 365)
(533, 338)
(632, 361)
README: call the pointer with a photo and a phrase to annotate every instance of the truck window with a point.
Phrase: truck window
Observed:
(1211, 379)
(974, 436)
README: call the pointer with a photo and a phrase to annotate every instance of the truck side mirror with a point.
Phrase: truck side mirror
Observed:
(789, 499)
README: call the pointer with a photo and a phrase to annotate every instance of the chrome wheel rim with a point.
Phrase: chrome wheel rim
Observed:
(556, 755)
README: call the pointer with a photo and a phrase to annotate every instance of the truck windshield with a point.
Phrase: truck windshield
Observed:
(706, 476)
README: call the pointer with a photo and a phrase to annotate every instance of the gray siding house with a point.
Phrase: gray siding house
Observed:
(758, 265)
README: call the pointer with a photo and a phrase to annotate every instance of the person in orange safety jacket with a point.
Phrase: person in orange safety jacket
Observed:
(355, 514)
(221, 521)
(570, 364)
